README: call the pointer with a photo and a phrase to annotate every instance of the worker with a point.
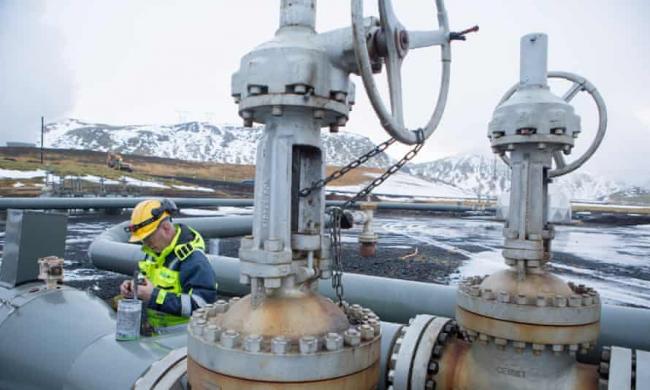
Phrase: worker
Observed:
(177, 275)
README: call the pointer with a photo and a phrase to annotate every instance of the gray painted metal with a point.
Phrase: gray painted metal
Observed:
(29, 236)
(398, 300)
(408, 349)
(620, 369)
(642, 370)
(107, 203)
(64, 338)
(389, 333)
(396, 39)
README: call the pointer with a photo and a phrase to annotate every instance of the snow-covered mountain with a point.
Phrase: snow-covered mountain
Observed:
(472, 174)
(488, 176)
(194, 141)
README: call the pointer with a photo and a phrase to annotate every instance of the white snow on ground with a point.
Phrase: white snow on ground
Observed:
(604, 258)
(193, 188)
(14, 174)
(222, 211)
(405, 185)
(18, 184)
(142, 183)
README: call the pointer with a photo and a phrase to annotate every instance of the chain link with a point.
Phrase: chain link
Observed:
(336, 213)
(354, 164)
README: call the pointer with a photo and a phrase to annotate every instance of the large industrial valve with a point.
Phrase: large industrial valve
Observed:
(392, 42)
(579, 84)
(284, 334)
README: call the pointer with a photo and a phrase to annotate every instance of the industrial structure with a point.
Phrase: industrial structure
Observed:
(521, 328)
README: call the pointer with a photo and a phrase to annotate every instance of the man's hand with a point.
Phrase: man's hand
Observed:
(126, 289)
(145, 290)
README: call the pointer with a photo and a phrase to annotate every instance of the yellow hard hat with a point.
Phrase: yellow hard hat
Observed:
(147, 216)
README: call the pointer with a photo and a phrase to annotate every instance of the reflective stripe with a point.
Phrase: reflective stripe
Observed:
(161, 297)
(186, 305)
(200, 302)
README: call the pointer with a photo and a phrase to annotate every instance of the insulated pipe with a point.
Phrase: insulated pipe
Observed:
(399, 300)
(64, 338)
(108, 203)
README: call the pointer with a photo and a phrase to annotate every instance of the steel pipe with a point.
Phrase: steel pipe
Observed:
(110, 203)
(64, 338)
(395, 300)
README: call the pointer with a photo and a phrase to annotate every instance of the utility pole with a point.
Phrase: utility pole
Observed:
(42, 136)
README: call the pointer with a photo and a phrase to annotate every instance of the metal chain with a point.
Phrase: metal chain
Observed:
(354, 164)
(337, 213)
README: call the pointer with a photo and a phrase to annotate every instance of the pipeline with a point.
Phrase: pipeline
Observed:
(392, 299)
(112, 203)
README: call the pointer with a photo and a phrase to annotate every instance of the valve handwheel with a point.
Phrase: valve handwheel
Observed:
(579, 84)
(395, 42)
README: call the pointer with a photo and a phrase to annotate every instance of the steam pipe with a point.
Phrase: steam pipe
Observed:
(392, 299)
(108, 203)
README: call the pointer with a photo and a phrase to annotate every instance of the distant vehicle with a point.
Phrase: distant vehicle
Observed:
(116, 161)
(248, 182)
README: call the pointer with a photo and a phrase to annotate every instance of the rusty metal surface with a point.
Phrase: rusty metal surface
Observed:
(462, 368)
(539, 334)
(203, 379)
(292, 315)
(535, 284)
(367, 249)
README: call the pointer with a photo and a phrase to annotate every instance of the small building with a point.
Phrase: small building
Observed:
(11, 144)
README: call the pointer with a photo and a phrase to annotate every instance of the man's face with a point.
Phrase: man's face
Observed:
(158, 239)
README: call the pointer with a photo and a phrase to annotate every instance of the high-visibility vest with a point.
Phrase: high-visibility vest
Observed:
(162, 270)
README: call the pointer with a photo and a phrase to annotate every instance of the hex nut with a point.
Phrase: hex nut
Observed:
(541, 301)
(221, 306)
(230, 338)
(352, 337)
(367, 333)
(375, 324)
(575, 301)
(475, 291)
(300, 89)
(212, 333)
(198, 326)
(308, 344)
(522, 299)
(560, 301)
(433, 368)
(488, 294)
(272, 282)
(504, 297)
(557, 347)
(280, 345)
(253, 343)
(333, 341)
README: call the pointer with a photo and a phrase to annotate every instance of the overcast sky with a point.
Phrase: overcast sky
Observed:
(163, 61)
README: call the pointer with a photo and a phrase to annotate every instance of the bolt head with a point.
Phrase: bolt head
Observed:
(279, 345)
(253, 343)
(333, 341)
(308, 344)
(367, 332)
(229, 338)
(352, 337)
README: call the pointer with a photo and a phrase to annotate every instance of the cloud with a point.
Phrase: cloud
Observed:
(34, 78)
